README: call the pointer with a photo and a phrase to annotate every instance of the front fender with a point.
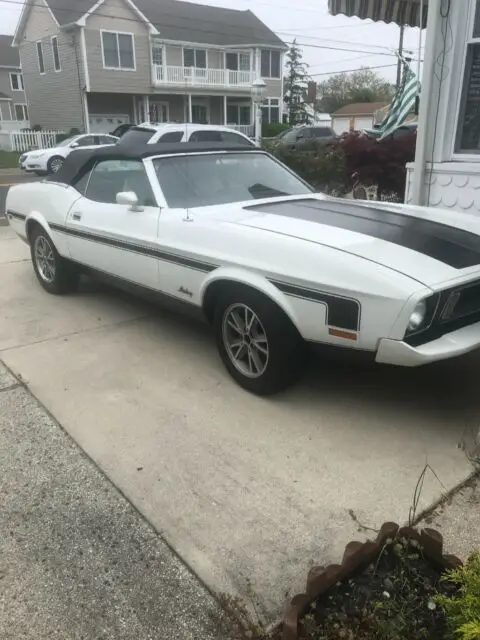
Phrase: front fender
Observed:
(253, 280)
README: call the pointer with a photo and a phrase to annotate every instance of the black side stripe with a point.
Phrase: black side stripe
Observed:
(146, 250)
(343, 313)
(14, 214)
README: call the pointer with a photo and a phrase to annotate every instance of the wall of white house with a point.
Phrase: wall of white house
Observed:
(342, 124)
(452, 178)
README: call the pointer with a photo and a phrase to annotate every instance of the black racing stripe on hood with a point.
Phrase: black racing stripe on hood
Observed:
(454, 247)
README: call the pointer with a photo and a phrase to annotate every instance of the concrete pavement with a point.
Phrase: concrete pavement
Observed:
(76, 559)
(250, 492)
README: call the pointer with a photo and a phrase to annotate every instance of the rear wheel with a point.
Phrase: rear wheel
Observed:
(55, 274)
(257, 342)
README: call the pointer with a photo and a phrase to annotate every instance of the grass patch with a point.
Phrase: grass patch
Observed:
(9, 159)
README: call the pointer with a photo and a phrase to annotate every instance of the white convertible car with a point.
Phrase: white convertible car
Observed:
(274, 266)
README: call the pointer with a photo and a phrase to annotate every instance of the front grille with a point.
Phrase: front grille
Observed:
(457, 308)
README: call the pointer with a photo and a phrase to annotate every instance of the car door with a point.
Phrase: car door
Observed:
(113, 238)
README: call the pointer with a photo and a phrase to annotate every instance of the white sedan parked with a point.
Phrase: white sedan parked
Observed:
(153, 133)
(234, 235)
(42, 161)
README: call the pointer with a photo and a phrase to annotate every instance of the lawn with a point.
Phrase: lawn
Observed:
(9, 159)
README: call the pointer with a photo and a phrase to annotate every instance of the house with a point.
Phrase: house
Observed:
(356, 117)
(446, 171)
(93, 64)
(13, 105)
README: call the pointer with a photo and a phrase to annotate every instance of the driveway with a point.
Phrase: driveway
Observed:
(249, 492)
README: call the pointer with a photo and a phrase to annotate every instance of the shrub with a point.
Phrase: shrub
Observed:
(463, 609)
(379, 162)
(272, 130)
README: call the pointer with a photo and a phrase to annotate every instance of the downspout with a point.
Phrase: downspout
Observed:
(426, 103)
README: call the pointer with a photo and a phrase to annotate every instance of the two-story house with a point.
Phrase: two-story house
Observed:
(13, 105)
(95, 64)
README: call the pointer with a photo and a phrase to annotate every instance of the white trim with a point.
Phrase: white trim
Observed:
(118, 33)
(225, 107)
(194, 49)
(81, 21)
(134, 112)
(189, 108)
(22, 21)
(52, 38)
(10, 110)
(83, 48)
(16, 73)
(153, 30)
(86, 114)
(40, 42)
(24, 108)
(220, 47)
(7, 66)
(270, 77)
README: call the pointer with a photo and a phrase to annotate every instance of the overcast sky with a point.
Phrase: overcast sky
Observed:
(365, 43)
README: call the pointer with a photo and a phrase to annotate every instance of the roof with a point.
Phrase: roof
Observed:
(184, 21)
(80, 161)
(3, 96)
(359, 109)
(406, 12)
(9, 57)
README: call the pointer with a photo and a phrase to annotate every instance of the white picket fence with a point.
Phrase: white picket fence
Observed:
(27, 140)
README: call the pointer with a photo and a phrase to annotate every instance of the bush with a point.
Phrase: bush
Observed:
(272, 130)
(377, 162)
(463, 610)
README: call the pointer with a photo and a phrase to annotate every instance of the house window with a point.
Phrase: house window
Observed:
(239, 114)
(270, 64)
(118, 50)
(16, 82)
(195, 58)
(271, 110)
(21, 112)
(238, 61)
(55, 53)
(41, 63)
(157, 54)
(468, 128)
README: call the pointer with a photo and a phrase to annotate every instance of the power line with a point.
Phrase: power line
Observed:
(329, 73)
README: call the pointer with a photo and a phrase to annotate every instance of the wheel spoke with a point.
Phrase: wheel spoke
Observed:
(259, 347)
(245, 340)
(249, 322)
(235, 323)
(257, 361)
(236, 348)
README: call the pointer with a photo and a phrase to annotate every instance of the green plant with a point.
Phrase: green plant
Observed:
(463, 609)
(272, 130)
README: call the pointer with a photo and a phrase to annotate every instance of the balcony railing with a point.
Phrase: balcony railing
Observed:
(194, 77)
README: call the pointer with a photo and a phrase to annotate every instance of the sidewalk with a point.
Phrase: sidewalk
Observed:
(76, 559)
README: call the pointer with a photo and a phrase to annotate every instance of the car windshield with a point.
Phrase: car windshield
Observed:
(136, 135)
(204, 180)
(65, 143)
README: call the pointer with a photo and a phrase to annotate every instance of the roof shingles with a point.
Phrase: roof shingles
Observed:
(9, 57)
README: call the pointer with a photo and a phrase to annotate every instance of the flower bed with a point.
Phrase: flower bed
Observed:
(384, 590)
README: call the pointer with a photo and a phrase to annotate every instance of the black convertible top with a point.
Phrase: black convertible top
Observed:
(80, 161)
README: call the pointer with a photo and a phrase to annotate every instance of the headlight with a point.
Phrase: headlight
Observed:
(418, 316)
(37, 155)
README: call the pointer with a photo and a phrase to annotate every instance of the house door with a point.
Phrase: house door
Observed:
(159, 112)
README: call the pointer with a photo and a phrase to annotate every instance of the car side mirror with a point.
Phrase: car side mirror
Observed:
(74, 145)
(130, 199)
(300, 136)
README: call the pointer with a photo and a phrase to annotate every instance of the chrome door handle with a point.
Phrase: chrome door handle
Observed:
(77, 216)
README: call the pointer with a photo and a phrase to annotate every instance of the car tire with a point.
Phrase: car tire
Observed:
(272, 354)
(56, 274)
(55, 164)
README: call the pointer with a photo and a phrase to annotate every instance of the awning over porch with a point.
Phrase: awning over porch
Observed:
(406, 12)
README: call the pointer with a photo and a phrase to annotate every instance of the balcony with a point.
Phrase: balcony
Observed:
(196, 77)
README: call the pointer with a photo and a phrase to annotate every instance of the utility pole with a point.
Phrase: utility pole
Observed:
(400, 55)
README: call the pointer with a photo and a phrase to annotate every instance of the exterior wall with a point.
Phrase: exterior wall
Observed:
(40, 23)
(340, 125)
(450, 185)
(107, 104)
(116, 80)
(343, 124)
(54, 98)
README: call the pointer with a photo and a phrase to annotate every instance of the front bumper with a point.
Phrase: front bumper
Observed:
(450, 345)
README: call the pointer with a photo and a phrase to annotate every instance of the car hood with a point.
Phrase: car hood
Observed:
(428, 245)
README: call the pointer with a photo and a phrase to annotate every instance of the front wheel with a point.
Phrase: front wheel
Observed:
(55, 274)
(55, 164)
(259, 346)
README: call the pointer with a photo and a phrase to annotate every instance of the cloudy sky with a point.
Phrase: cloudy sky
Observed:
(362, 43)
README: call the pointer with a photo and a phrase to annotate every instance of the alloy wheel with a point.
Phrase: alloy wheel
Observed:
(44, 259)
(245, 340)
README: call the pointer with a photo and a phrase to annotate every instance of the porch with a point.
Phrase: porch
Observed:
(199, 77)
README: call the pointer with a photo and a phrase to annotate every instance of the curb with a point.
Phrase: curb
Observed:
(356, 556)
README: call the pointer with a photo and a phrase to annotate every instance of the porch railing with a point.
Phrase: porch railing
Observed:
(194, 76)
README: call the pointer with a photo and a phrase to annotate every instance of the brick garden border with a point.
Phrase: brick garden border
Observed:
(358, 555)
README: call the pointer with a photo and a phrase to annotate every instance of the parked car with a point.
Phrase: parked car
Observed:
(302, 137)
(180, 132)
(232, 234)
(45, 161)
(121, 130)
(403, 130)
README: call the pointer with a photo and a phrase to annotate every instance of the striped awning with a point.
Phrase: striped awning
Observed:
(406, 12)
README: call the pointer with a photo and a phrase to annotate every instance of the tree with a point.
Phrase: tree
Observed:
(295, 86)
(346, 88)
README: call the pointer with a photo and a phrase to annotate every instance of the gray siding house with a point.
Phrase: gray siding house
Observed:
(94, 65)
(13, 104)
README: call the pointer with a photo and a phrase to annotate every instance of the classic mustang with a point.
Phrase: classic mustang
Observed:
(234, 234)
